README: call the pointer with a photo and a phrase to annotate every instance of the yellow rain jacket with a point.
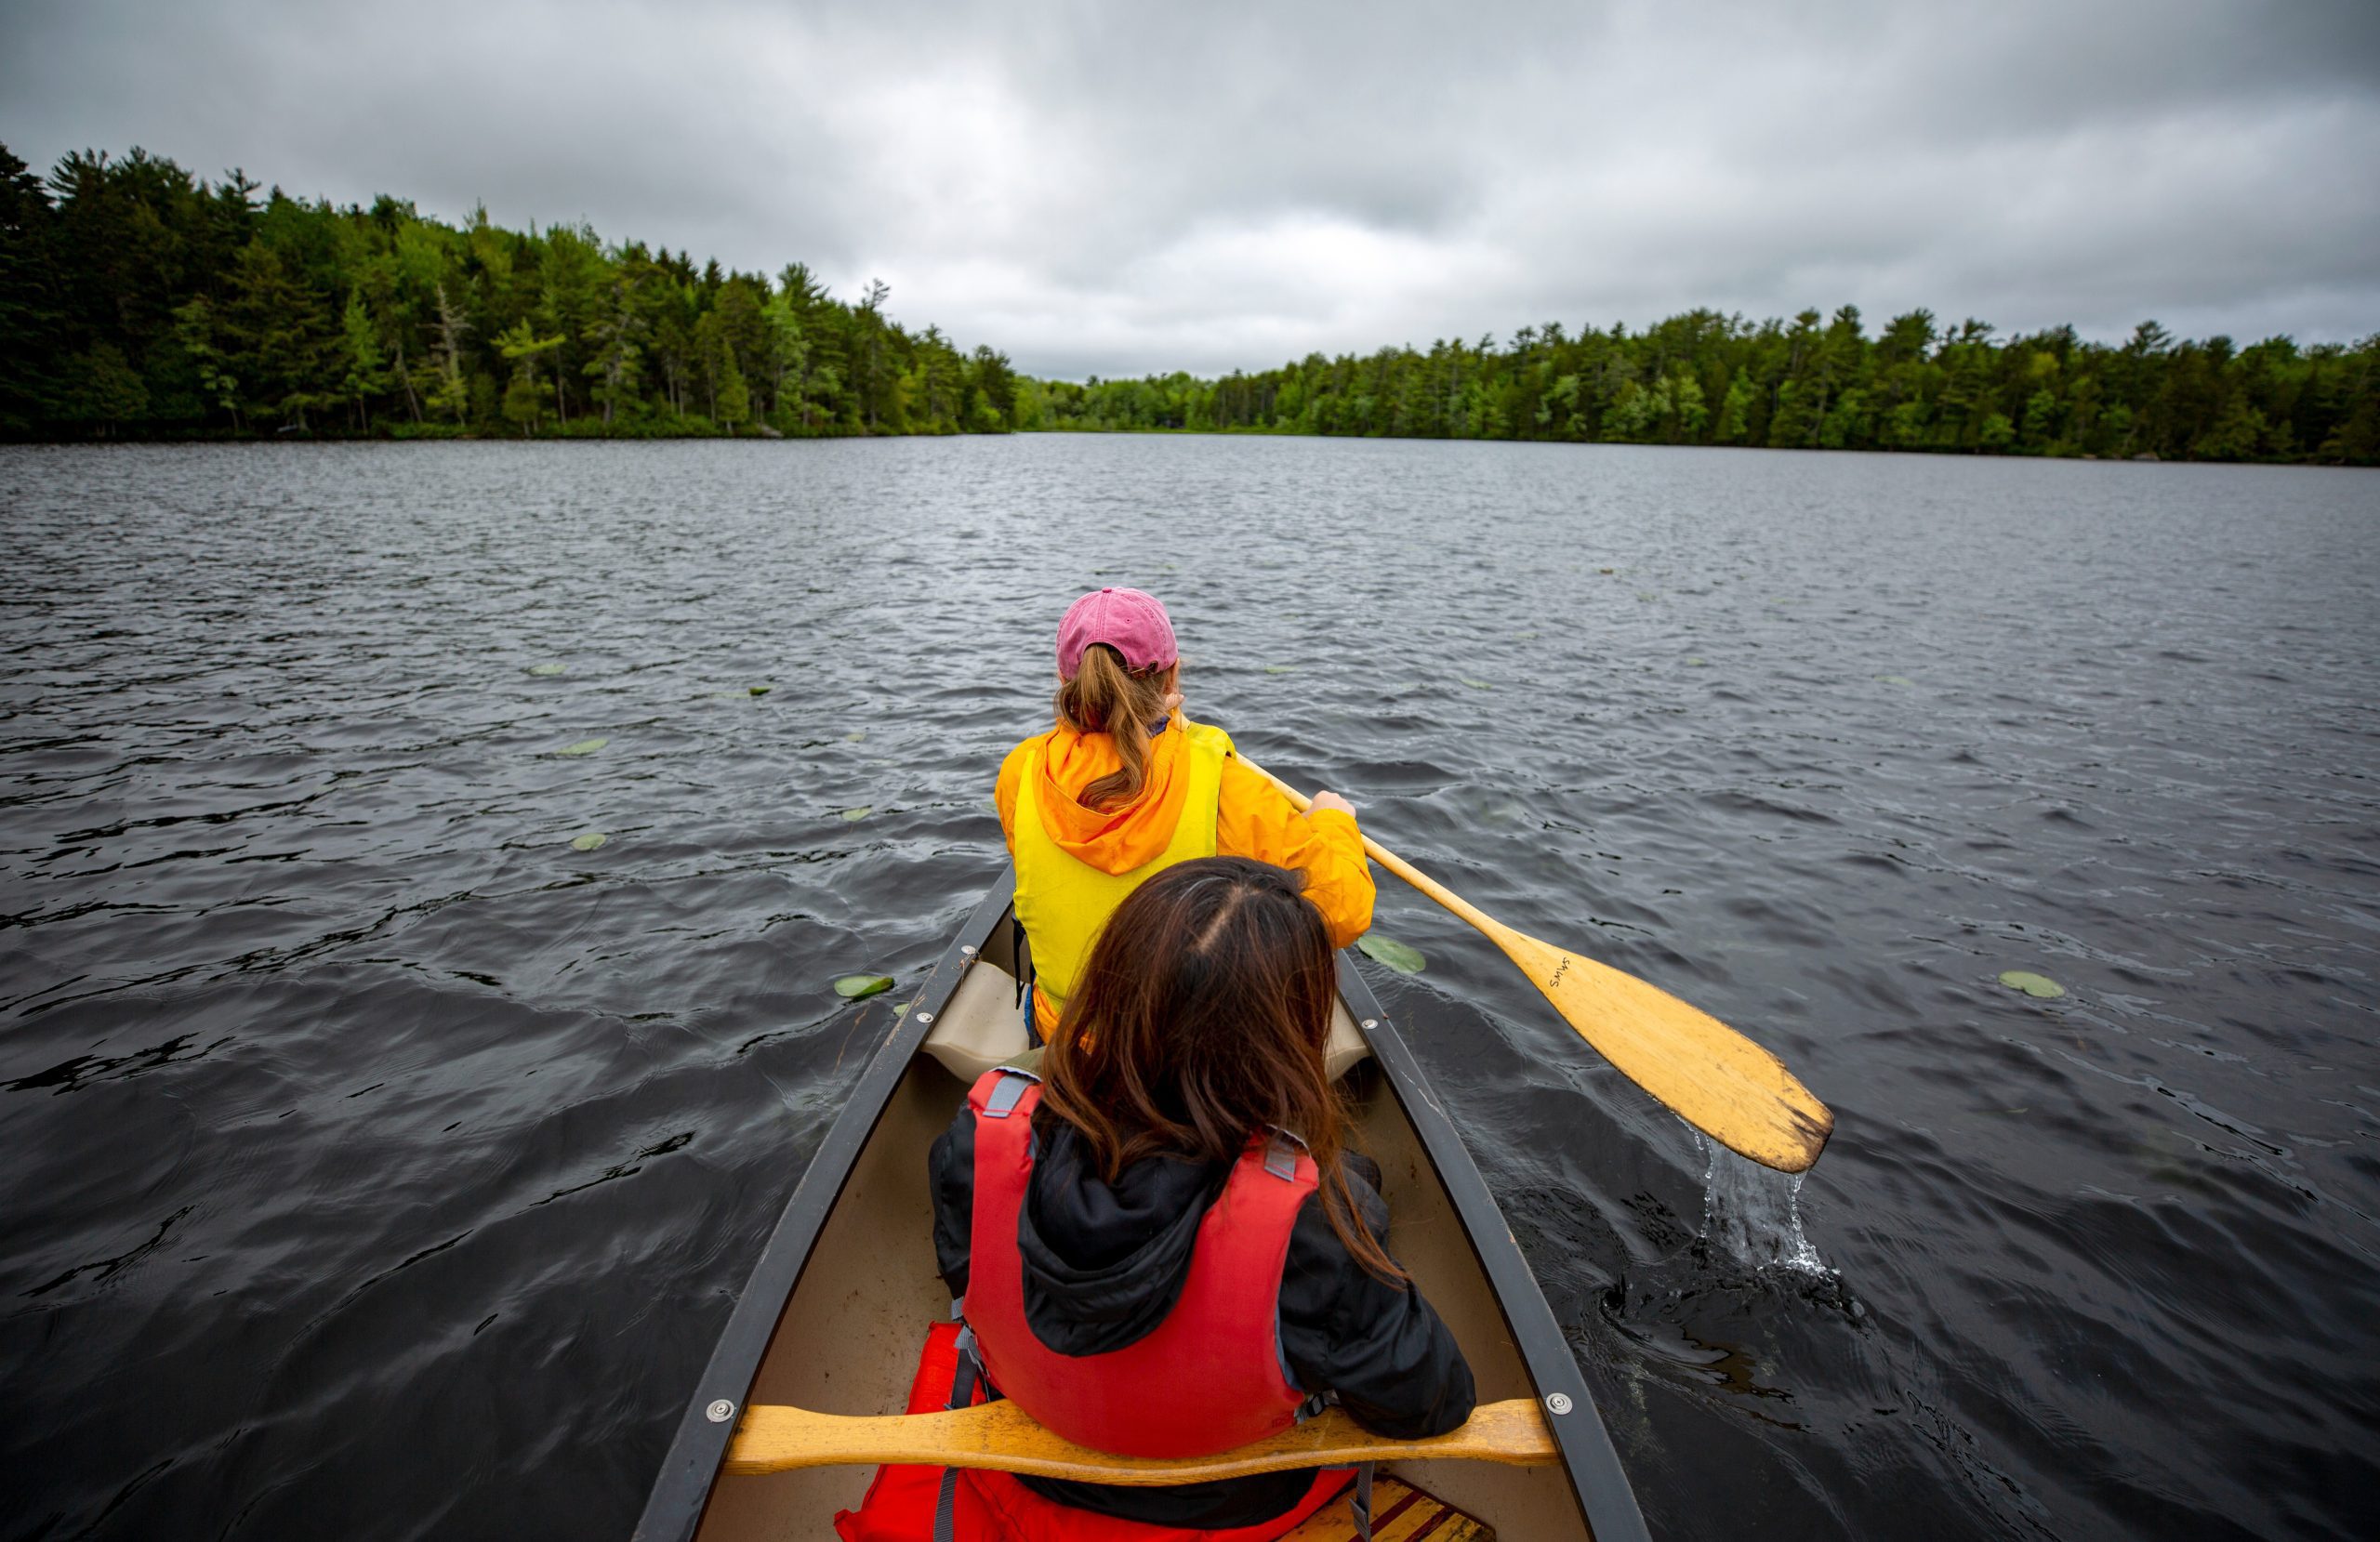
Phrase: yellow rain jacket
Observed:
(1075, 865)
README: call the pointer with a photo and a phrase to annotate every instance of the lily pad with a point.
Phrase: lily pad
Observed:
(1475, 685)
(859, 987)
(588, 841)
(2032, 984)
(1897, 680)
(547, 669)
(1401, 957)
(856, 734)
(1606, 570)
(759, 689)
(584, 747)
(856, 815)
(1280, 670)
(1695, 661)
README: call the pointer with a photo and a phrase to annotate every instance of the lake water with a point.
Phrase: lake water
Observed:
(375, 1163)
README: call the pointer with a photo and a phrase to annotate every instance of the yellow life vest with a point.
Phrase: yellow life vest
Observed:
(1064, 900)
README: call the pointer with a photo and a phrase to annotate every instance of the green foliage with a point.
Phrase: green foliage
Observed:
(734, 397)
(138, 300)
(106, 392)
(1811, 383)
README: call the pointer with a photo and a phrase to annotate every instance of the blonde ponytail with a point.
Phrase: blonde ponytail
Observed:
(1105, 697)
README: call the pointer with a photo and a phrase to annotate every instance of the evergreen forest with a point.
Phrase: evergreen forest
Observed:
(1815, 383)
(139, 301)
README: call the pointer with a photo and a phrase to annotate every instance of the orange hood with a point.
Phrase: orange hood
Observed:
(1118, 839)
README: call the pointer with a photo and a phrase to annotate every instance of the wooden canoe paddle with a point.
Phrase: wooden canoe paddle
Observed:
(1710, 1076)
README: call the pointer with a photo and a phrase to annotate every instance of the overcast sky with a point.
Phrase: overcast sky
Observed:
(1111, 189)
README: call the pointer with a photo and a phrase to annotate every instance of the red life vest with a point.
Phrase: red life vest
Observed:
(1217, 1355)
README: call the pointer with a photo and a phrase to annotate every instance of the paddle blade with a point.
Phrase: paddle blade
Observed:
(1712, 1077)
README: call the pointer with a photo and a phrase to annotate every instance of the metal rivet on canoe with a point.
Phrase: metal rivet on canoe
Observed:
(719, 1412)
(1557, 1403)
(966, 950)
(925, 1017)
(1372, 1022)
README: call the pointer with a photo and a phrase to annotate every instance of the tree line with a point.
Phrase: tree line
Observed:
(138, 300)
(1813, 383)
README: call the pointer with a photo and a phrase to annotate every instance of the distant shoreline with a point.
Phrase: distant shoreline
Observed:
(140, 303)
(465, 437)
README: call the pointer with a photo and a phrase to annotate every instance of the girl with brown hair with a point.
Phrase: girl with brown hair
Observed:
(1161, 1245)
(1123, 786)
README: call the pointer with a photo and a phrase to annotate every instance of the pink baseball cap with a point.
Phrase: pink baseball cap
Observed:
(1131, 623)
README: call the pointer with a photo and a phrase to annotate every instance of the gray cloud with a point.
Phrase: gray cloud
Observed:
(1098, 191)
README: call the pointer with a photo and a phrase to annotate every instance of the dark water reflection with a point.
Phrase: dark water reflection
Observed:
(375, 1163)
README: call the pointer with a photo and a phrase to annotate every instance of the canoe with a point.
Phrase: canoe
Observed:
(838, 1304)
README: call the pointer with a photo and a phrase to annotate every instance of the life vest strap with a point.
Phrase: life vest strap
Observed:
(1008, 1091)
(962, 1396)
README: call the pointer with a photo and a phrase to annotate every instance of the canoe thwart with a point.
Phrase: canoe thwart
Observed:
(775, 1438)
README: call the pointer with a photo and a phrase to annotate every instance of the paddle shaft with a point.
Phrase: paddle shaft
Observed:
(1710, 1076)
(1487, 924)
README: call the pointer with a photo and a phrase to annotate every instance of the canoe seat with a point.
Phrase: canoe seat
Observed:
(1002, 1437)
(1400, 1513)
(981, 1026)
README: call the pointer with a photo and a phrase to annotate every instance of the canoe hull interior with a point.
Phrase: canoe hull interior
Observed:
(849, 1333)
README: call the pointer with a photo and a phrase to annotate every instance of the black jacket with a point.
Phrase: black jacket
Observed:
(1103, 1264)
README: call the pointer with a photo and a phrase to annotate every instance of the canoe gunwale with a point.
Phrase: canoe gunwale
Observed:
(674, 1507)
(1597, 1479)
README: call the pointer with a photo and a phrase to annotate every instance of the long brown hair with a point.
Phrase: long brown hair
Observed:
(1105, 697)
(1199, 1020)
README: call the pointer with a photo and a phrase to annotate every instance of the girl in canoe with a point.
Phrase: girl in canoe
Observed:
(1149, 1261)
(1125, 786)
